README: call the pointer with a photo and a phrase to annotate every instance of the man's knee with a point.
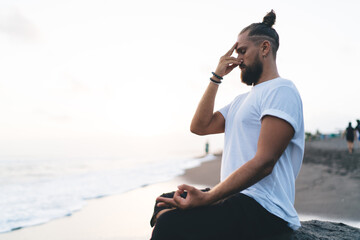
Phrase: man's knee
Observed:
(166, 226)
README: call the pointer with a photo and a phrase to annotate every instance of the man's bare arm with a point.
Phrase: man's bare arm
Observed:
(205, 121)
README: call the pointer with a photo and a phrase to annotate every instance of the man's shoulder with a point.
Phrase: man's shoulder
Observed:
(280, 92)
(240, 97)
(281, 84)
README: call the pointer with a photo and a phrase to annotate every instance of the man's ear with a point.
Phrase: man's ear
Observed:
(265, 48)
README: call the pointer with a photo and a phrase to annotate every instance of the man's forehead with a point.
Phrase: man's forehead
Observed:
(242, 40)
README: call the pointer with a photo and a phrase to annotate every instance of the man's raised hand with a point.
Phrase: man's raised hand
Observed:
(227, 63)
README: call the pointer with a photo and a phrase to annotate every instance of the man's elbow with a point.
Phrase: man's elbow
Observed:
(268, 170)
(267, 166)
(197, 131)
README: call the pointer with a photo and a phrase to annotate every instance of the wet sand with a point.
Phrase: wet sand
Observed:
(329, 181)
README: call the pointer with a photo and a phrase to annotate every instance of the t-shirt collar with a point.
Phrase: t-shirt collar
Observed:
(264, 83)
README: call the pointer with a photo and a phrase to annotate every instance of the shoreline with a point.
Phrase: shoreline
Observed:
(326, 189)
(115, 213)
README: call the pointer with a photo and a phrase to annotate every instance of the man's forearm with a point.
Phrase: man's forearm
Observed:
(244, 177)
(205, 109)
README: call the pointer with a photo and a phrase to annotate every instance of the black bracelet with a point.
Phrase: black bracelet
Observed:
(216, 82)
(217, 76)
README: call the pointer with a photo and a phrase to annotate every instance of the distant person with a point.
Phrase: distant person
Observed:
(350, 135)
(357, 128)
(263, 151)
(207, 148)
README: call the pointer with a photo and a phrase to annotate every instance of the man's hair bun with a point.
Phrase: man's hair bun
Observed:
(269, 19)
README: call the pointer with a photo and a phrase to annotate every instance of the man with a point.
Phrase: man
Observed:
(263, 151)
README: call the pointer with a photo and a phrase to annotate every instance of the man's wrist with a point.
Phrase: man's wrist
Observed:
(211, 198)
(217, 76)
(216, 82)
(216, 79)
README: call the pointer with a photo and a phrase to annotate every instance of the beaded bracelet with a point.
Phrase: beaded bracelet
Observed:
(216, 82)
(217, 76)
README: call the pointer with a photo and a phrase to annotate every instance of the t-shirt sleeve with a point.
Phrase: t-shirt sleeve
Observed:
(224, 111)
(283, 102)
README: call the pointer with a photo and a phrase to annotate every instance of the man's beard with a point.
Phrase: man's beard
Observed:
(251, 74)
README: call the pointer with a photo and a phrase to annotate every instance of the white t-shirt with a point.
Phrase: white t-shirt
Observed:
(277, 97)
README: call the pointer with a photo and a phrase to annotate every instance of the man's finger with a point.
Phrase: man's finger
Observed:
(180, 191)
(230, 52)
(177, 198)
(231, 64)
(185, 187)
(188, 188)
(226, 58)
(180, 201)
(168, 201)
(162, 204)
(231, 67)
(231, 61)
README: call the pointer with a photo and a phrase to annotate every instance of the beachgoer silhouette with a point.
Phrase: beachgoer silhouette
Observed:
(357, 128)
(350, 135)
(207, 148)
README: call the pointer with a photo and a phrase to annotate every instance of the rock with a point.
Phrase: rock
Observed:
(313, 230)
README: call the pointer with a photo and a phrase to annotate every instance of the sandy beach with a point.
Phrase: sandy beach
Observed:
(327, 188)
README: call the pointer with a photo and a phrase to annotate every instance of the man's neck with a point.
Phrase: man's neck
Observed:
(269, 72)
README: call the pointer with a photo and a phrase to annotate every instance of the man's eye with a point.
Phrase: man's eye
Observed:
(241, 51)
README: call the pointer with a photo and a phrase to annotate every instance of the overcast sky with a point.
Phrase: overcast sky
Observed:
(97, 72)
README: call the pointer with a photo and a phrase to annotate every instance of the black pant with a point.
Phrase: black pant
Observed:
(237, 217)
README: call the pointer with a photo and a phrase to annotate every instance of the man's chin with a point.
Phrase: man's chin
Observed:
(247, 82)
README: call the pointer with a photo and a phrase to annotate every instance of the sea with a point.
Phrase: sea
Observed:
(37, 190)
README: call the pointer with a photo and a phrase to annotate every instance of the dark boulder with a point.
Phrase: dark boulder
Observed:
(313, 230)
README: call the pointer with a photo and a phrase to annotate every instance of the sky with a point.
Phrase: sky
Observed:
(101, 78)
